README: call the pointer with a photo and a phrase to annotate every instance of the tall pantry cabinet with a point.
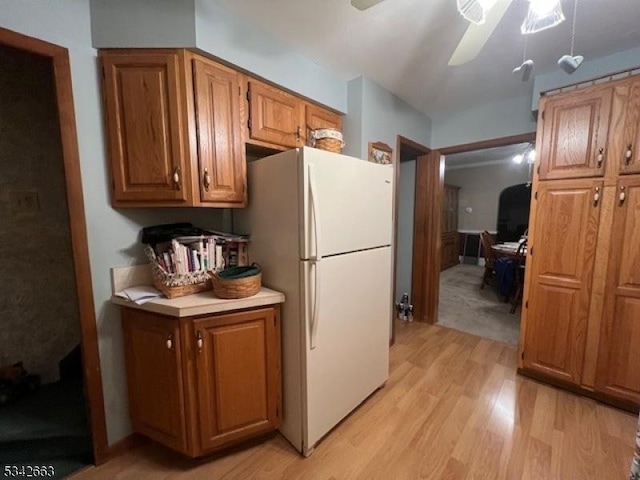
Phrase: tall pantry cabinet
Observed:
(581, 322)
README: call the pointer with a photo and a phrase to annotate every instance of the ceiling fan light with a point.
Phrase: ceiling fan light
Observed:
(474, 10)
(542, 14)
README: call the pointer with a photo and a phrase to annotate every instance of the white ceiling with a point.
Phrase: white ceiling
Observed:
(405, 45)
(484, 157)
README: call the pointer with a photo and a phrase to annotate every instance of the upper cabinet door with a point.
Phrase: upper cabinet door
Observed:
(618, 372)
(575, 130)
(562, 253)
(275, 116)
(144, 125)
(222, 168)
(630, 154)
(317, 117)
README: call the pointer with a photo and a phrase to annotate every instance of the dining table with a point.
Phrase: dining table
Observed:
(508, 249)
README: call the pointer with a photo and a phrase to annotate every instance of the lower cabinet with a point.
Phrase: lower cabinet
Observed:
(200, 384)
(449, 251)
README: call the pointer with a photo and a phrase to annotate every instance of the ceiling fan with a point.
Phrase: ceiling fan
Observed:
(474, 38)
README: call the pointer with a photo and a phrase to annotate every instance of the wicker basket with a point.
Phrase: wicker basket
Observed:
(174, 285)
(328, 139)
(236, 287)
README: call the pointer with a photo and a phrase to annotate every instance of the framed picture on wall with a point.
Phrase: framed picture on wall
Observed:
(380, 153)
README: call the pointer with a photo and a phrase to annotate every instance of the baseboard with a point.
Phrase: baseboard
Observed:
(600, 397)
(130, 442)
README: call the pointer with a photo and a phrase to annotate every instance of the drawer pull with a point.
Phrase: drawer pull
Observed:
(596, 197)
(623, 195)
(170, 342)
(628, 155)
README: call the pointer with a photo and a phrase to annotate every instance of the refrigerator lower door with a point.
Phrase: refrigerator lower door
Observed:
(349, 329)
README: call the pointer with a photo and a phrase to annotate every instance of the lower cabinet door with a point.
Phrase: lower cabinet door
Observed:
(154, 376)
(618, 372)
(238, 376)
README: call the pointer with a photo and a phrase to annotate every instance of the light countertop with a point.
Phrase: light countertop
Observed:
(203, 303)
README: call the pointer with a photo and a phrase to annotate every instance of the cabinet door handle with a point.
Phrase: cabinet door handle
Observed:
(206, 179)
(596, 197)
(199, 341)
(170, 342)
(298, 132)
(628, 155)
(623, 195)
(176, 177)
(600, 157)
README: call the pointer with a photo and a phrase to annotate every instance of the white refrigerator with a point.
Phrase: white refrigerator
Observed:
(321, 228)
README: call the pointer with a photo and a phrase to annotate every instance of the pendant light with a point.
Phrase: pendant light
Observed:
(542, 14)
(570, 63)
(475, 10)
(526, 67)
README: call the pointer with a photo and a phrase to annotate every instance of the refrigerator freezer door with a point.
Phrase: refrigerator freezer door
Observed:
(353, 201)
(351, 355)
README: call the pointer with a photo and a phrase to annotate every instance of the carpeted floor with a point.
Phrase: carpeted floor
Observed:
(47, 427)
(464, 306)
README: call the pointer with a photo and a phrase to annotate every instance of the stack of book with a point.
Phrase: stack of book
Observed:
(212, 251)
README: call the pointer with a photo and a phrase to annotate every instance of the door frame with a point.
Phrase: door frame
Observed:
(426, 241)
(78, 229)
(413, 146)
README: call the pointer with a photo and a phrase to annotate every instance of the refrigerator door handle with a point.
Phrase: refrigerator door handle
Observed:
(315, 208)
(315, 260)
(316, 305)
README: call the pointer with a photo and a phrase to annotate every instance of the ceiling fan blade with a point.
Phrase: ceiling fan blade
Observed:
(476, 36)
(364, 4)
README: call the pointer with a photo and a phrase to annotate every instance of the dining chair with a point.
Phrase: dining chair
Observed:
(521, 259)
(487, 240)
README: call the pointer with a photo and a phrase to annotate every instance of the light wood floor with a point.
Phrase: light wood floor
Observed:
(453, 408)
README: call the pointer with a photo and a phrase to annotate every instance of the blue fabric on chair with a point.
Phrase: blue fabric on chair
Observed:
(505, 269)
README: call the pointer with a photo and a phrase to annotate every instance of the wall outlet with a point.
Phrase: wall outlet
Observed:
(24, 202)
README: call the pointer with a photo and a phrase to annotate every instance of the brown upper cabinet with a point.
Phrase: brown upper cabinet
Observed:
(575, 134)
(275, 116)
(317, 117)
(175, 137)
(280, 120)
(630, 143)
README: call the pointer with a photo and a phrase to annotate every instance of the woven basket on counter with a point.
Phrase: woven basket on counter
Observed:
(174, 285)
(237, 282)
(328, 139)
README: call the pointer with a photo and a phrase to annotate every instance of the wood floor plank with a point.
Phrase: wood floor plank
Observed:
(453, 408)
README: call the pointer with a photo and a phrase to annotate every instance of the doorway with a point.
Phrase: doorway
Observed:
(487, 194)
(53, 411)
(427, 240)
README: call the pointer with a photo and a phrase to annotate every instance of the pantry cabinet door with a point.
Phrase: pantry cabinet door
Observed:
(221, 157)
(618, 372)
(561, 256)
(574, 134)
(630, 151)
